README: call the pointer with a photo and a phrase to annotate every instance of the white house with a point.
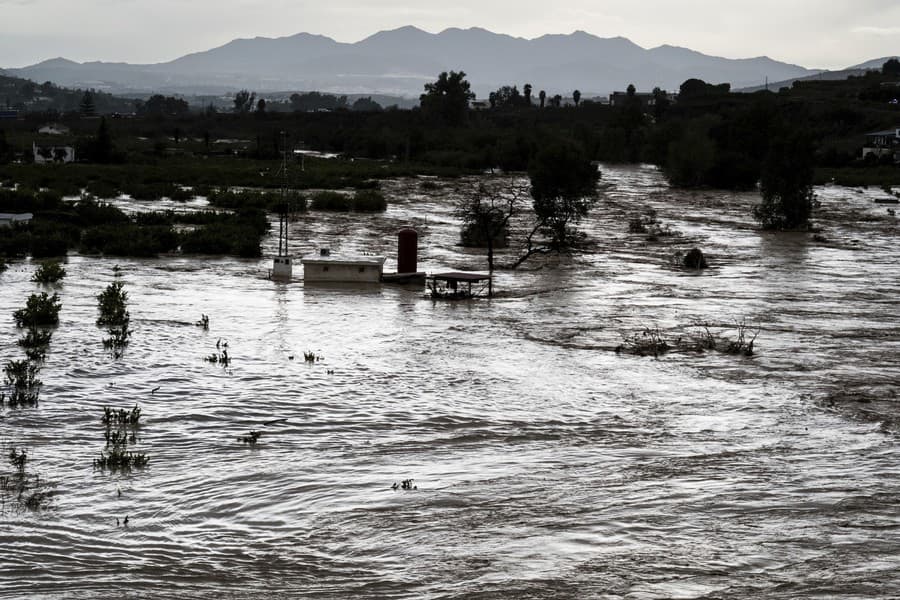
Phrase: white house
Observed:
(883, 143)
(345, 269)
(10, 219)
(52, 154)
(54, 129)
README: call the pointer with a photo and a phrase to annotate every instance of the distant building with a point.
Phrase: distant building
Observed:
(619, 98)
(54, 129)
(10, 219)
(52, 154)
(479, 105)
(646, 98)
(9, 114)
(883, 143)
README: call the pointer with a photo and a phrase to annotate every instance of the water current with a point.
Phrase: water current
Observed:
(545, 464)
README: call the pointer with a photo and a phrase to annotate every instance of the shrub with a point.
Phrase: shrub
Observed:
(333, 201)
(111, 303)
(40, 310)
(22, 382)
(369, 201)
(91, 212)
(129, 240)
(49, 271)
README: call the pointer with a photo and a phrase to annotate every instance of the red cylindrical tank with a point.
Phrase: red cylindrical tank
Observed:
(407, 249)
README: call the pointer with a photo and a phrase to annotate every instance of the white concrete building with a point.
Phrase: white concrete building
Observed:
(326, 268)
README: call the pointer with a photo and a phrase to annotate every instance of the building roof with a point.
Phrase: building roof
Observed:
(14, 217)
(355, 260)
(885, 132)
(459, 276)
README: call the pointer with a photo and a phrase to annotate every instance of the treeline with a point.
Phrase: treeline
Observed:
(708, 136)
(92, 227)
(24, 95)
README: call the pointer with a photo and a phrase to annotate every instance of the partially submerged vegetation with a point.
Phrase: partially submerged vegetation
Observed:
(41, 310)
(651, 341)
(360, 201)
(49, 271)
(112, 303)
(121, 427)
(22, 384)
(21, 489)
(94, 227)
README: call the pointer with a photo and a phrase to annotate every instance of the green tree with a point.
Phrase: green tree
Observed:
(365, 105)
(576, 97)
(244, 101)
(891, 67)
(786, 183)
(5, 149)
(526, 91)
(87, 106)
(691, 155)
(447, 99)
(485, 214)
(563, 189)
(507, 97)
(102, 148)
(542, 96)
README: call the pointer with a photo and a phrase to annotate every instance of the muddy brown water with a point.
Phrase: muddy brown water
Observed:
(546, 464)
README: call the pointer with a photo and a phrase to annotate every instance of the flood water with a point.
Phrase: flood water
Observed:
(546, 464)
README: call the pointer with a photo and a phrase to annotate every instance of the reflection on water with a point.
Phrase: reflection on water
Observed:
(547, 465)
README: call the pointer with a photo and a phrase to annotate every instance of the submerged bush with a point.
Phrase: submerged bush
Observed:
(360, 201)
(227, 233)
(49, 271)
(333, 201)
(111, 303)
(40, 310)
(23, 386)
(270, 201)
(121, 430)
(129, 240)
(369, 201)
(35, 342)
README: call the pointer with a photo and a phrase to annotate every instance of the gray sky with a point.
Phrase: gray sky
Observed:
(813, 33)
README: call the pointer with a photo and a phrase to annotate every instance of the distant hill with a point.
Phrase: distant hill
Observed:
(401, 61)
(875, 63)
(854, 71)
(27, 96)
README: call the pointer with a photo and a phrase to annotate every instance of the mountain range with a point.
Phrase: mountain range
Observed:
(401, 61)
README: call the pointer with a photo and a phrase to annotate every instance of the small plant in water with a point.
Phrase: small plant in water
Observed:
(250, 439)
(743, 345)
(112, 304)
(49, 271)
(35, 343)
(406, 484)
(649, 342)
(23, 386)
(40, 310)
(220, 358)
(21, 488)
(311, 357)
(121, 430)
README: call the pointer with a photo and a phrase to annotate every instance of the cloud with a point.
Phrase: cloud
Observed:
(886, 31)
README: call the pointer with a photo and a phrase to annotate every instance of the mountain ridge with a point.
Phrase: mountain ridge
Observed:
(400, 61)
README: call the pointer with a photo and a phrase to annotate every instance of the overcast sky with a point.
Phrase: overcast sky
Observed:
(812, 33)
